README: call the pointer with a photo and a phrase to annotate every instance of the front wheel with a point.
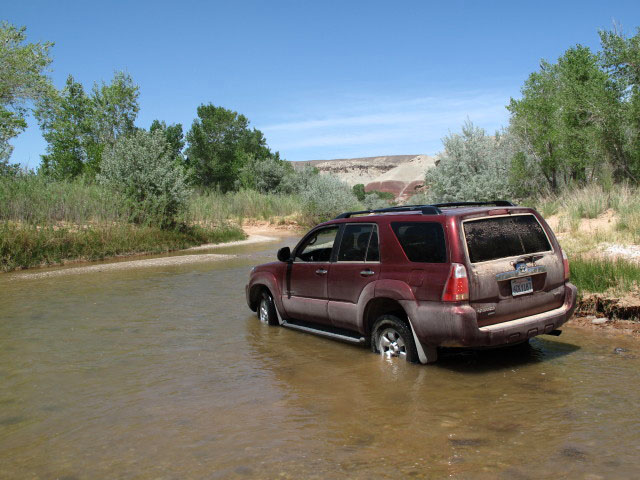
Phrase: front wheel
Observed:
(267, 310)
(392, 338)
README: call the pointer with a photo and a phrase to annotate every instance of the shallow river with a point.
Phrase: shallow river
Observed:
(165, 373)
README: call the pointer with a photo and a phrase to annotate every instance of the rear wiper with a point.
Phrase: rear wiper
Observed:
(527, 259)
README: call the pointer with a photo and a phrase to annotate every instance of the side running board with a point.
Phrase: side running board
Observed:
(336, 334)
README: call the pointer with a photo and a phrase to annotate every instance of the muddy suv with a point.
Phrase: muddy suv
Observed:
(407, 280)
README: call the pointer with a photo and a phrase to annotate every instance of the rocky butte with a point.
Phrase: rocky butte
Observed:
(401, 175)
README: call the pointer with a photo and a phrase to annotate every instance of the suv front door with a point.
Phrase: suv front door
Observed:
(357, 264)
(305, 296)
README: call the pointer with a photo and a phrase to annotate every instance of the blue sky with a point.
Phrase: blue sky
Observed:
(321, 79)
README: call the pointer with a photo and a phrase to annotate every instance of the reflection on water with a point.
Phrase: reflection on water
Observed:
(164, 373)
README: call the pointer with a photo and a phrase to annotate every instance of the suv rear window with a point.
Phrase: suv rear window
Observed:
(500, 237)
(421, 241)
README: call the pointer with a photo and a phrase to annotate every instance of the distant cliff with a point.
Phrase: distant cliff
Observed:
(401, 175)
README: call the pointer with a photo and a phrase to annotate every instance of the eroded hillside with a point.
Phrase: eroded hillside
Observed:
(401, 175)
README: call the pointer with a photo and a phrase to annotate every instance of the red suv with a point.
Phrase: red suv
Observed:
(409, 279)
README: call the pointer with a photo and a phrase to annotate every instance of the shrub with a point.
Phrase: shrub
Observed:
(477, 167)
(373, 201)
(142, 169)
(325, 196)
(358, 191)
(267, 175)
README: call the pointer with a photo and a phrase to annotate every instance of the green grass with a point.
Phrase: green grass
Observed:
(214, 207)
(43, 221)
(24, 246)
(600, 275)
(36, 200)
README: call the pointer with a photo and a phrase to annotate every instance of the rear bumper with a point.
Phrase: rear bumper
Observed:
(456, 325)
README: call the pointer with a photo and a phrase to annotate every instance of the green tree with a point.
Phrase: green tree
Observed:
(568, 118)
(22, 80)
(173, 135)
(78, 127)
(115, 108)
(621, 59)
(7, 169)
(140, 166)
(267, 175)
(358, 191)
(66, 123)
(220, 144)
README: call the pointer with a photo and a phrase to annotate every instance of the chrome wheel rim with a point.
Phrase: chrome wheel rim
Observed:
(391, 344)
(264, 311)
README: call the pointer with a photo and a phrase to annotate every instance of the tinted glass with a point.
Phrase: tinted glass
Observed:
(492, 238)
(373, 252)
(354, 244)
(317, 248)
(421, 241)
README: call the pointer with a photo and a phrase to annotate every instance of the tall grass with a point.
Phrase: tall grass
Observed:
(36, 200)
(24, 246)
(44, 222)
(211, 208)
(600, 275)
(591, 201)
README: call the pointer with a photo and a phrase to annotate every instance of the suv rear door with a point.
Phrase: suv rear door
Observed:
(357, 264)
(514, 269)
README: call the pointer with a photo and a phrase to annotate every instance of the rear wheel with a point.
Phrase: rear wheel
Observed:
(267, 310)
(392, 338)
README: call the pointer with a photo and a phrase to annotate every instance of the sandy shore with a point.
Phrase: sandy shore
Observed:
(128, 265)
(248, 241)
(150, 262)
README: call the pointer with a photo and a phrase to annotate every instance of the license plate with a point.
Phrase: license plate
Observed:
(520, 286)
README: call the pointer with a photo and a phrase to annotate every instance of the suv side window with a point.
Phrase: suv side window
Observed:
(421, 241)
(317, 247)
(359, 243)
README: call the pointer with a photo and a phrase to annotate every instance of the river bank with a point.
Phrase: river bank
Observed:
(24, 246)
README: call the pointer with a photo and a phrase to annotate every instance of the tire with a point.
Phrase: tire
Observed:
(266, 311)
(391, 337)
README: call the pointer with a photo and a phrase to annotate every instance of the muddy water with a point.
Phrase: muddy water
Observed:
(164, 373)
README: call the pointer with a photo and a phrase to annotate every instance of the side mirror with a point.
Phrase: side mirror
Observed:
(284, 254)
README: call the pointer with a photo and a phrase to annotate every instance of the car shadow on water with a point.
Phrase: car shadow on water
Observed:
(537, 350)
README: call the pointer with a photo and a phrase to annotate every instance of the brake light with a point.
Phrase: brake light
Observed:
(565, 264)
(457, 286)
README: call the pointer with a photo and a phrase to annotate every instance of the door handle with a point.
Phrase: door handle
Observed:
(321, 271)
(367, 273)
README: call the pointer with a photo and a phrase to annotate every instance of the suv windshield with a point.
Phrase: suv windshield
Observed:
(500, 237)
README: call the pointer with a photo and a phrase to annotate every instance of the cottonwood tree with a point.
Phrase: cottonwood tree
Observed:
(220, 144)
(621, 59)
(79, 127)
(173, 135)
(569, 119)
(23, 80)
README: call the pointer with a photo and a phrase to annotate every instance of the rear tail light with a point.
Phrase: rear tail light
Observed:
(565, 264)
(457, 286)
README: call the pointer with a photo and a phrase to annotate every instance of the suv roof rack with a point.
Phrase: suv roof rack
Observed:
(425, 209)
(497, 203)
(433, 209)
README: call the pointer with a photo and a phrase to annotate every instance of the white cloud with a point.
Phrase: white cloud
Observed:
(415, 125)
